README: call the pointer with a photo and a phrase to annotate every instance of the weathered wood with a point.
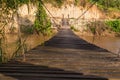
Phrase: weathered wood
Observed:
(64, 57)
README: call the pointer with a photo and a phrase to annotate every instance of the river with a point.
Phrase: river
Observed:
(11, 44)
(112, 44)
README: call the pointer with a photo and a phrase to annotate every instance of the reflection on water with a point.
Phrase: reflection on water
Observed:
(110, 43)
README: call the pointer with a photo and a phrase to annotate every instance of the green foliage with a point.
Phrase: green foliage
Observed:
(93, 30)
(56, 3)
(106, 4)
(114, 25)
(80, 2)
(42, 24)
(76, 2)
(59, 2)
(73, 28)
(9, 8)
(13, 4)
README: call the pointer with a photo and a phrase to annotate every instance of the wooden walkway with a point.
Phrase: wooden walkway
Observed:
(64, 57)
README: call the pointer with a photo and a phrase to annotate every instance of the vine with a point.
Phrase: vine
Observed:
(42, 24)
(9, 8)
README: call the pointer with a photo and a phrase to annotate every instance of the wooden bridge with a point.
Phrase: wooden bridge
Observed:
(64, 57)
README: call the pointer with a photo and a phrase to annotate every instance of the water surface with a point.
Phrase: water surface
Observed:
(110, 43)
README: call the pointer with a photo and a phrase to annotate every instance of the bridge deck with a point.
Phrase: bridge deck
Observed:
(64, 57)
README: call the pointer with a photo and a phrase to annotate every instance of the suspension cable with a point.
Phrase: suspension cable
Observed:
(86, 10)
(48, 12)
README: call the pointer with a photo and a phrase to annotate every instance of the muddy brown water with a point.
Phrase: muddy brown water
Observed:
(31, 42)
(112, 44)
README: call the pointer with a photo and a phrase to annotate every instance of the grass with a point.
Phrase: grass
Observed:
(114, 25)
(73, 28)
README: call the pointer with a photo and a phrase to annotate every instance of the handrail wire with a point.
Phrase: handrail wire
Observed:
(48, 12)
(86, 10)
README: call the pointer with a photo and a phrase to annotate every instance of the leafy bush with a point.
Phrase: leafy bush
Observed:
(106, 4)
(114, 25)
(82, 3)
(13, 4)
(42, 24)
(73, 28)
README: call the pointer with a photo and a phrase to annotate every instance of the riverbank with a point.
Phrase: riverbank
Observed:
(109, 42)
(103, 34)
(13, 45)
